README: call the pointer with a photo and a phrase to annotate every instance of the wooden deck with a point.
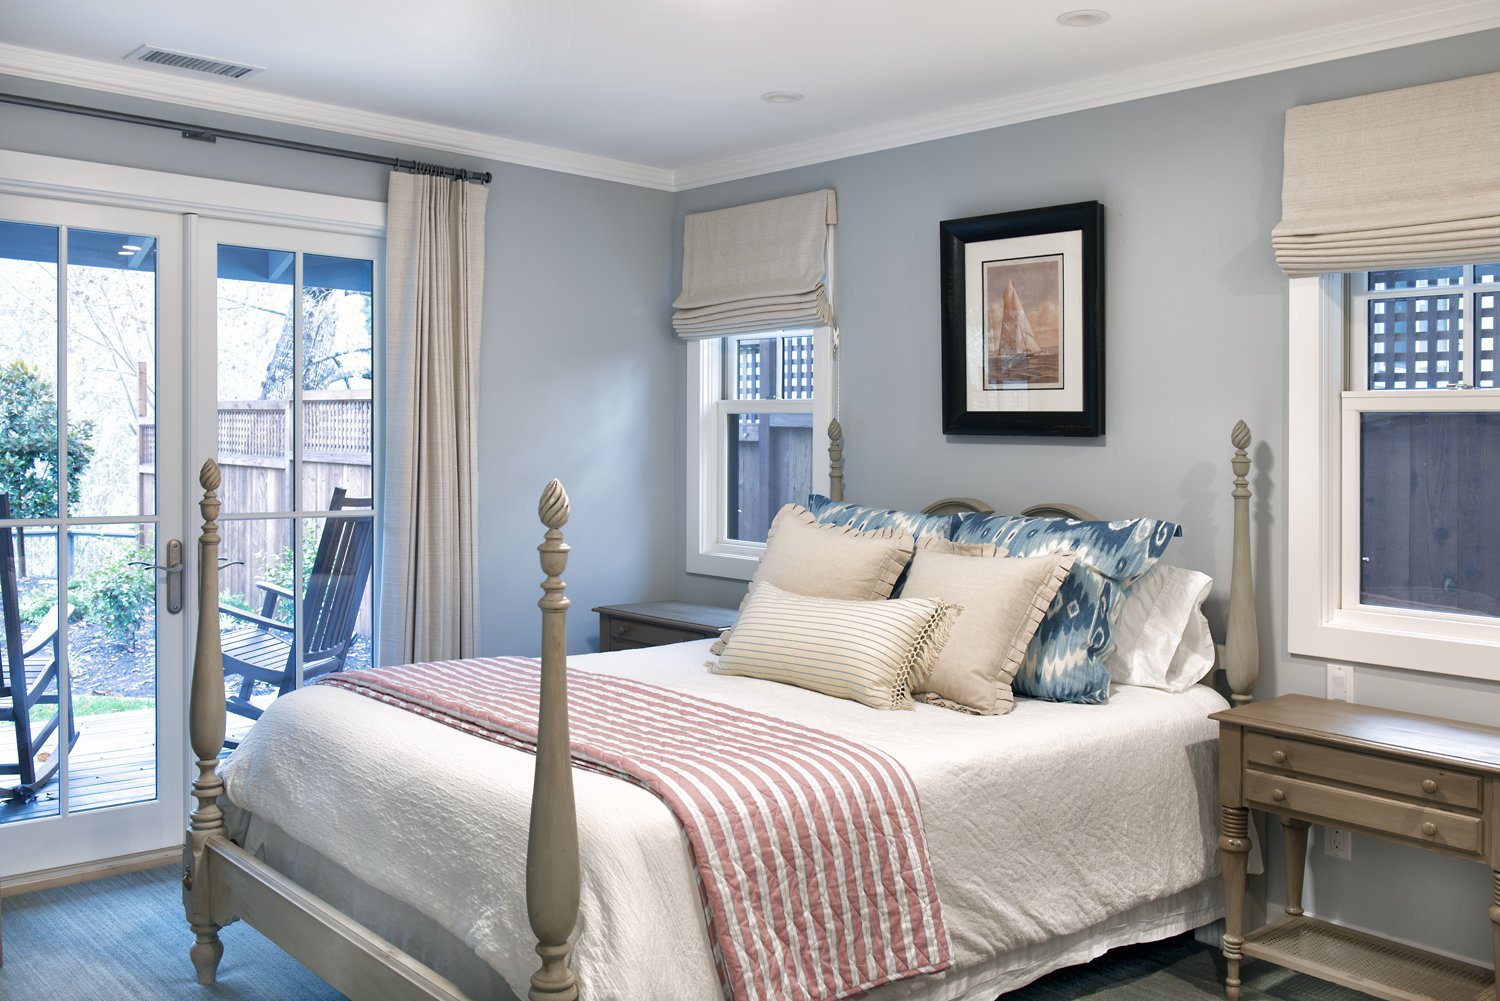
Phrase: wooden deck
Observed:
(113, 763)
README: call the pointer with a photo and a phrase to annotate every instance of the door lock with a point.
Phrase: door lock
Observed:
(173, 570)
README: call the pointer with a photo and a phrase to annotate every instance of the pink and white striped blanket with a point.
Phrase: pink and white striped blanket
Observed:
(811, 862)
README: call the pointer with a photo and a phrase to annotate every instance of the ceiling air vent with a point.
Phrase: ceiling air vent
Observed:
(155, 56)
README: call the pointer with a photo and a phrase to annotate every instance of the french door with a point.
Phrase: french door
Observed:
(91, 456)
(134, 344)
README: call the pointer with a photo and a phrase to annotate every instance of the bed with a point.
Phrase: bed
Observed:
(1062, 833)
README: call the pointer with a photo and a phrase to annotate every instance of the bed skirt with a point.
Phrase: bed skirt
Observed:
(428, 942)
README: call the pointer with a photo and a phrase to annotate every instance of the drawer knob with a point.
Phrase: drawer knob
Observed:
(1278, 795)
(1429, 786)
(1429, 829)
(1279, 757)
(621, 629)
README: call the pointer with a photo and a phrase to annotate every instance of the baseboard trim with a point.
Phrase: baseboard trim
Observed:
(46, 879)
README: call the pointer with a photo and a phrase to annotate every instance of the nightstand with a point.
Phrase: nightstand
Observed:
(656, 623)
(1416, 780)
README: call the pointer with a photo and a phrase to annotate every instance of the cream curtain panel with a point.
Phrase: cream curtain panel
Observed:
(434, 283)
(1406, 177)
(756, 267)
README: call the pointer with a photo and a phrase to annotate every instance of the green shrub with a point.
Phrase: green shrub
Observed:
(36, 605)
(115, 595)
(28, 443)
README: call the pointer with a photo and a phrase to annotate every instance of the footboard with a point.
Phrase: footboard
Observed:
(223, 883)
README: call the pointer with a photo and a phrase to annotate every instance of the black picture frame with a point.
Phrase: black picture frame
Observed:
(1010, 368)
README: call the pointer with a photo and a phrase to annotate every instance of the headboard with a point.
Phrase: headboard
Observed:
(1239, 654)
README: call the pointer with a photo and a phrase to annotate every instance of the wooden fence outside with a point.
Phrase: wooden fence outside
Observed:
(254, 454)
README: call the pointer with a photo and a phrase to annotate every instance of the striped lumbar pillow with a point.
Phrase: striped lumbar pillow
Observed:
(873, 652)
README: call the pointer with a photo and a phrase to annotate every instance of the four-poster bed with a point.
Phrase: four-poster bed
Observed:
(225, 881)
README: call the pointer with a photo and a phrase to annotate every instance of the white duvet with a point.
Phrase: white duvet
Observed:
(1055, 821)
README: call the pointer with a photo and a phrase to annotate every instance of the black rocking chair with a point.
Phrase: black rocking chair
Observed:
(30, 669)
(261, 651)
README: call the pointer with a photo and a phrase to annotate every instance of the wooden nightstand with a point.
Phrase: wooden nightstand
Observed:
(656, 623)
(1416, 780)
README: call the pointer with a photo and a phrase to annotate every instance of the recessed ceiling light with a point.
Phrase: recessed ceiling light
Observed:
(127, 247)
(781, 96)
(1082, 18)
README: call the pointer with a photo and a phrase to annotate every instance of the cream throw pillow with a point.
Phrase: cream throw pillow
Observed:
(1004, 600)
(869, 651)
(828, 561)
(831, 561)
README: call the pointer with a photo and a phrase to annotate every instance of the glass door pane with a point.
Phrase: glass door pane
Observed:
(79, 340)
(295, 443)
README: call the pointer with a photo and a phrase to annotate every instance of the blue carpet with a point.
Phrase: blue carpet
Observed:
(124, 938)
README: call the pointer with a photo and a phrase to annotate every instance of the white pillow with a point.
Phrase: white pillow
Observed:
(1162, 639)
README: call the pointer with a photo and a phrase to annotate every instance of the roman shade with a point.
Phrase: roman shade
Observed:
(1397, 179)
(756, 267)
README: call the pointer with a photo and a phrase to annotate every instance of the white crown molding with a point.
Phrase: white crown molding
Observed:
(1370, 35)
(213, 95)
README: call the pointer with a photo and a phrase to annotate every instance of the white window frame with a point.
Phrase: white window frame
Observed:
(1324, 616)
(710, 551)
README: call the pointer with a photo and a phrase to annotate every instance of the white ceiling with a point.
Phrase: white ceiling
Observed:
(666, 92)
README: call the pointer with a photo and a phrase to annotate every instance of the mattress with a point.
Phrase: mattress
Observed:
(1055, 832)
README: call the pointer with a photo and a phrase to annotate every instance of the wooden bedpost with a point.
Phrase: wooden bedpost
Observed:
(206, 729)
(1241, 640)
(835, 460)
(552, 847)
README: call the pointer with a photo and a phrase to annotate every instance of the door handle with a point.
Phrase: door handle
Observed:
(173, 569)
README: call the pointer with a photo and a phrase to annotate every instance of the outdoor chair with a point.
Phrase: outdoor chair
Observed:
(30, 669)
(261, 649)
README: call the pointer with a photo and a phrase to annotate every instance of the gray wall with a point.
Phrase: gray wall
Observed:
(576, 367)
(1195, 328)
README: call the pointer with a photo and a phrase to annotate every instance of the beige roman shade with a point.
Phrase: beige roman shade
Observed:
(756, 267)
(1402, 178)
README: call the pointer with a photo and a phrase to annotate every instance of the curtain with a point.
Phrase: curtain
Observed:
(434, 281)
(1402, 178)
(756, 267)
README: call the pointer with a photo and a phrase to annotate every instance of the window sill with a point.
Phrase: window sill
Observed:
(731, 561)
(1410, 642)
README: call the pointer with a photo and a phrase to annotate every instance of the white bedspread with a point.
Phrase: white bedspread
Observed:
(1043, 823)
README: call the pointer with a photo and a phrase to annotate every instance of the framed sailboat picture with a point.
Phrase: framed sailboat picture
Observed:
(1023, 322)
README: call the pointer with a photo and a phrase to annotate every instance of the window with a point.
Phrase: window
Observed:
(758, 409)
(1394, 546)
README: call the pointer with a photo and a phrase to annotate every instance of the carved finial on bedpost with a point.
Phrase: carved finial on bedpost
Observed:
(206, 730)
(1242, 642)
(552, 847)
(835, 460)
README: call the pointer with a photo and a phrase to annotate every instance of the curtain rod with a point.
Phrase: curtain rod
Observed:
(201, 134)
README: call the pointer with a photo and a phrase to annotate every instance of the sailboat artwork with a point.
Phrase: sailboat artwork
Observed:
(1022, 346)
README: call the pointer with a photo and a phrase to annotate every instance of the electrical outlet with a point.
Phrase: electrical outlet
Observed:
(1336, 843)
(1341, 682)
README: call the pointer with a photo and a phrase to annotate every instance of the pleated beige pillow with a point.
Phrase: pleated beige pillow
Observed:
(1003, 599)
(868, 651)
(832, 561)
(828, 561)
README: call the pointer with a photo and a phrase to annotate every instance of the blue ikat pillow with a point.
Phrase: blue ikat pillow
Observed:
(868, 519)
(1065, 660)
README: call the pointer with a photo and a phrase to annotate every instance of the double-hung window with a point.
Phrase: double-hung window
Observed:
(757, 311)
(758, 409)
(1394, 537)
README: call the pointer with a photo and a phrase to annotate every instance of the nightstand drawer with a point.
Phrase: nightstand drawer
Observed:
(645, 634)
(1416, 781)
(1421, 825)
